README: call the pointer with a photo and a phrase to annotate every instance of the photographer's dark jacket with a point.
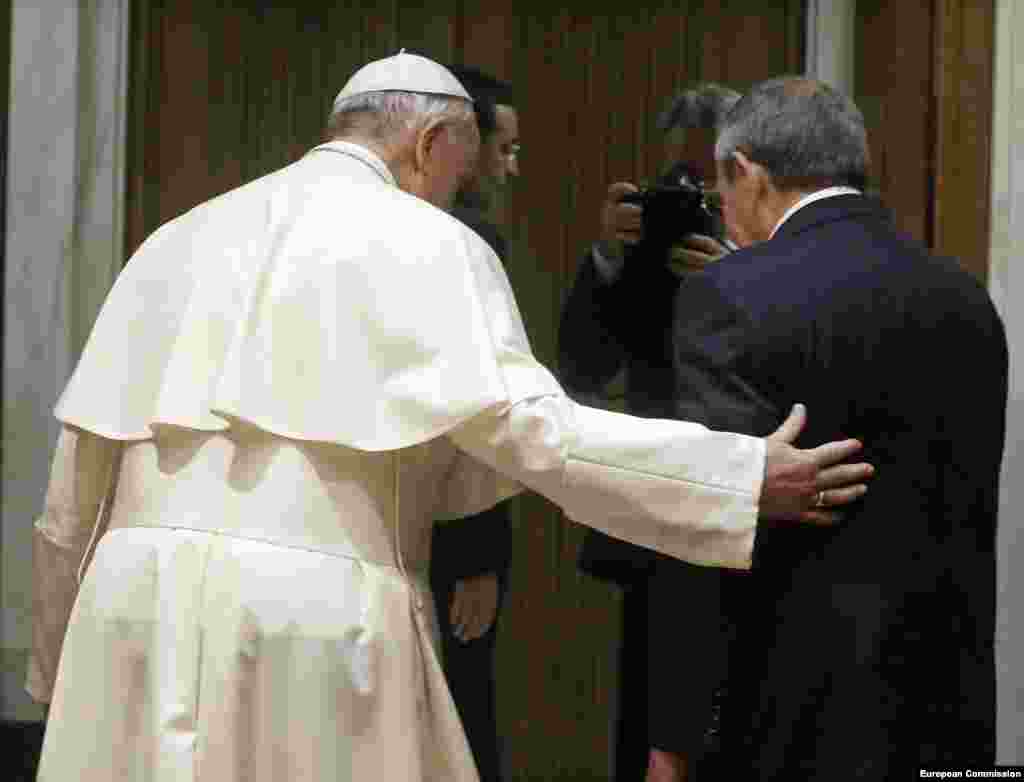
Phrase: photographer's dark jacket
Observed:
(865, 651)
(604, 328)
(626, 324)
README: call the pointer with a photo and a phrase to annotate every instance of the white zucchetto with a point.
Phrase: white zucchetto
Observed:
(403, 72)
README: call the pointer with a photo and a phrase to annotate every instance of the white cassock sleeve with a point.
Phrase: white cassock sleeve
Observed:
(675, 487)
(79, 482)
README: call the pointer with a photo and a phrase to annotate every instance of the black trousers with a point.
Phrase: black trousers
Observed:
(632, 737)
(469, 668)
(677, 633)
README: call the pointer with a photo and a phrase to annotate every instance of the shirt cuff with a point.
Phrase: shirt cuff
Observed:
(608, 265)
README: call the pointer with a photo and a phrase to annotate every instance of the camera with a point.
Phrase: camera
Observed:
(671, 212)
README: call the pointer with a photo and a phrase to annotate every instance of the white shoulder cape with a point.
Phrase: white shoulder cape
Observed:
(319, 302)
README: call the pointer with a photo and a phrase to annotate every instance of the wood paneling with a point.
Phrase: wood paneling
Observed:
(894, 90)
(964, 45)
(589, 87)
(224, 91)
(924, 82)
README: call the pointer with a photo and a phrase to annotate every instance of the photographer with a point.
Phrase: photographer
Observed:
(619, 316)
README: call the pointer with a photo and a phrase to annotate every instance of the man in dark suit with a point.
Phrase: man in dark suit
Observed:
(470, 557)
(864, 651)
(619, 316)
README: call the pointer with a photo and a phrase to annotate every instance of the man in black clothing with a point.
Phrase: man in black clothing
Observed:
(619, 316)
(863, 651)
(470, 557)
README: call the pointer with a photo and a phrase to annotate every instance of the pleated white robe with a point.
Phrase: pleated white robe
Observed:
(286, 388)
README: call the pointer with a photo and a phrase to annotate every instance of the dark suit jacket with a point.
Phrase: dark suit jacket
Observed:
(864, 650)
(605, 328)
(627, 324)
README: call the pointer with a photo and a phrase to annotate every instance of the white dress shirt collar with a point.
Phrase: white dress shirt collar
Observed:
(828, 192)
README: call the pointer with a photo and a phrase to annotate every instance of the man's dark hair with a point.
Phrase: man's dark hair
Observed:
(486, 92)
(702, 106)
(804, 133)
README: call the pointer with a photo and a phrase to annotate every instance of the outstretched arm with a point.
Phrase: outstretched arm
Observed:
(808, 485)
(672, 486)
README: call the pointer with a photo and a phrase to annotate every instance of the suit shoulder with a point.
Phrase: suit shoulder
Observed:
(743, 262)
(734, 273)
(961, 293)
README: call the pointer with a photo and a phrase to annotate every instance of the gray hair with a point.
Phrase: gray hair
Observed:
(382, 114)
(702, 106)
(802, 131)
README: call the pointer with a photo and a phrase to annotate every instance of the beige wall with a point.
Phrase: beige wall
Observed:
(830, 42)
(1006, 282)
(63, 248)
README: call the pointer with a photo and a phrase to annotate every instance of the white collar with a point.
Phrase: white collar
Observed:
(363, 154)
(818, 195)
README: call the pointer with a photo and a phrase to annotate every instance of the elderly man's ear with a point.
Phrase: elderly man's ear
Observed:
(743, 167)
(426, 142)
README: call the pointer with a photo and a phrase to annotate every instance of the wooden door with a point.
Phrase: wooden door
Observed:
(924, 81)
(222, 92)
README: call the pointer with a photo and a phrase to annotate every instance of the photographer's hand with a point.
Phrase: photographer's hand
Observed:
(621, 223)
(695, 252)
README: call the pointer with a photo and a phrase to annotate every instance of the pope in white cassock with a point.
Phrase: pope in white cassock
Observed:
(285, 387)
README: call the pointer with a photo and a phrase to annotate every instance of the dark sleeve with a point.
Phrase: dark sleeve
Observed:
(690, 632)
(590, 351)
(474, 545)
(711, 339)
(606, 326)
